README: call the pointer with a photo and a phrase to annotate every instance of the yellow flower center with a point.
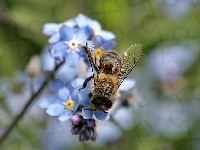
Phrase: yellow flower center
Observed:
(98, 52)
(96, 31)
(69, 104)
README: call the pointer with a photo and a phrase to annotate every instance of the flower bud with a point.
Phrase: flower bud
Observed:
(76, 119)
(33, 67)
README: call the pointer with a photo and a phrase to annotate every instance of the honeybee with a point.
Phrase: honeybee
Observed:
(111, 69)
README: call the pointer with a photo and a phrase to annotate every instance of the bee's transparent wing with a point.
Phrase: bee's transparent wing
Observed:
(130, 58)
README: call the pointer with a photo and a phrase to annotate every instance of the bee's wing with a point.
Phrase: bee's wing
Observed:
(130, 58)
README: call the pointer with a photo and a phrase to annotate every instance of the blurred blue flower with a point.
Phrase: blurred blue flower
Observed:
(83, 21)
(69, 46)
(127, 84)
(67, 105)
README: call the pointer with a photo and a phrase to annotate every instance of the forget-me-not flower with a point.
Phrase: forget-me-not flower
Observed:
(82, 21)
(69, 46)
(52, 29)
(66, 106)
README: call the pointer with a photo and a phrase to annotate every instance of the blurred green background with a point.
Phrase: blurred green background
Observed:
(152, 23)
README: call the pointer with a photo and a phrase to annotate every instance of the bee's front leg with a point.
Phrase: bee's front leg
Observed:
(85, 82)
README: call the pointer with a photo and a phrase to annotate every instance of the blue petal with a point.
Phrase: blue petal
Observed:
(100, 115)
(58, 51)
(47, 100)
(47, 62)
(66, 73)
(107, 35)
(75, 98)
(72, 58)
(56, 85)
(55, 109)
(84, 98)
(108, 44)
(81, 20)
(63, 94)
(94, 24)
(70, 22)
(50, 28)
(97, 40)
(77, 82)
(83, 33)
(74, 93)
(87, 113)
(66, 33)
(65, 116)
(54, 38)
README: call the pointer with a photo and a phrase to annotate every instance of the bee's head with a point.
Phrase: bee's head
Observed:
(110, 62)
(101, 103)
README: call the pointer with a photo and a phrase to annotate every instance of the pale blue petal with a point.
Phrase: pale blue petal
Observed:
(108, 44)
(75, 98)
(58, 51)
(47, 62)
(55, 109)
(47, 100)
(97, 40)
(94, 24)
(63, 94)
(77, 82)
(66, 73)
(66, 33)
(81, 20)
(107, 35)
(54, 38)
(83, 33)
(100, 115)
(70, 22)
(56, 85)
(74, 94)
(84, 98)
(65, 116)
(127, 84)
(72, 58)
(87, 113)
(50, 28)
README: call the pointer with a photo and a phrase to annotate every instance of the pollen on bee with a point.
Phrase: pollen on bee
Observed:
(98, 52)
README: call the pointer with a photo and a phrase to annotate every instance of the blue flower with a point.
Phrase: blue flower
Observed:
(69, 46)
(99, 41)
(50, 98)
(52, 29)
(66, 106)
(82, 21)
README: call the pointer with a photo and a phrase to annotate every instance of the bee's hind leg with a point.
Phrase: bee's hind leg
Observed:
(85, 82)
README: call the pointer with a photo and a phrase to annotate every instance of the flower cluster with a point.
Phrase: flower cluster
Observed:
(64, 98)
